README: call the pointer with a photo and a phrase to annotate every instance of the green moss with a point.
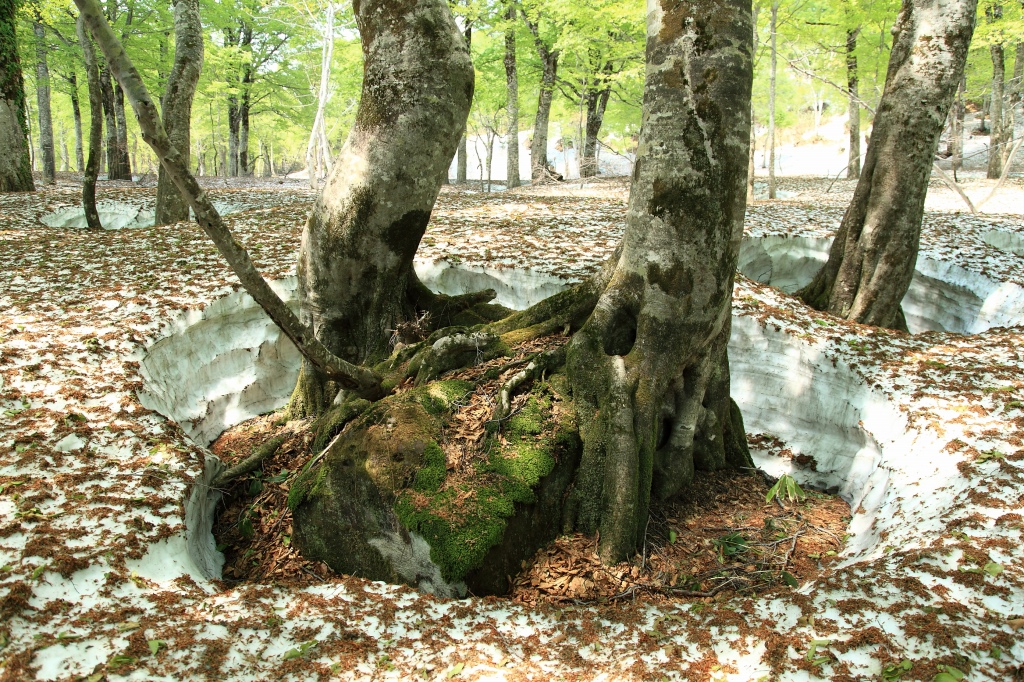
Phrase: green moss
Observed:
(306, 484)
(463, 522)
(438, 397)
(331, 424)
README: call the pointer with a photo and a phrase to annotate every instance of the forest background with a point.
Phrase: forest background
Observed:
(262, 81)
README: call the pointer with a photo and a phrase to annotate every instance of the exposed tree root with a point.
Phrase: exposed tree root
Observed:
(249, 464)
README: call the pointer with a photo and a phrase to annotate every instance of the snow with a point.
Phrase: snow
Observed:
(922, 434)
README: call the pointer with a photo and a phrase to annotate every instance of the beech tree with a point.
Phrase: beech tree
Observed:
(872, 259)
(15, 167)
(176, 106)
(648, 365)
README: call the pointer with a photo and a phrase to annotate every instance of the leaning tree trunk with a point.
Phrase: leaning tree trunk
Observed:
(92, 166)
(997, 138)
(541, 124)
(355, 264)
(77, 113)
(852, 82)
(43, 104)
(874, 253)
(15, 162)
(512, 90)
(649, 369)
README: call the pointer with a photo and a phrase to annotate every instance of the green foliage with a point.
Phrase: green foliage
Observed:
(786, 487)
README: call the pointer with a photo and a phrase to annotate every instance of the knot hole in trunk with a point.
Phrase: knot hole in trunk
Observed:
(620, 332)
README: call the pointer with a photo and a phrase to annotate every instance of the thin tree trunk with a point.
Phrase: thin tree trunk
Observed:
(243, 133)
(649, 369)
(874, 253)
(1018, 73)
(176, 105)
(317, 164)
(462, 160)
(596, 101)
(997, 138)
(92, 166)
(77, 113)
(956, 132)
(512, 89)
(361, 380)
(541, 123)
(355, 263)
(772, 190)
(15, 160)
(46, 151)
(753, 135)
(124, 166)
(852, 83)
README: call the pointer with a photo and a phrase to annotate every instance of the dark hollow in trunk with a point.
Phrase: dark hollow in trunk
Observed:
(874, 253)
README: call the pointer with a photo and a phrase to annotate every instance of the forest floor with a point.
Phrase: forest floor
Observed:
(96, 579)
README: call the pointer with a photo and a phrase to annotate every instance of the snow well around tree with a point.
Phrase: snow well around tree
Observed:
(223, 365)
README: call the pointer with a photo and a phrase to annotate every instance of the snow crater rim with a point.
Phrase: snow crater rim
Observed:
(220, 366)
(119, 215)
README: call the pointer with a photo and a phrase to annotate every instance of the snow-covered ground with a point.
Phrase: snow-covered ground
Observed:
(105, 551)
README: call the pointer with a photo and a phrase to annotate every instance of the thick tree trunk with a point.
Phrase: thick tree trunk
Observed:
(355, 263)
(92, 166)
(15, 161)
(852, 82)
(997, 138)
(772, 189)
(649, 370)
(76, 111)
(46, 152)
(874, 253)
(176, 106)
(596, 102)
(512, 94)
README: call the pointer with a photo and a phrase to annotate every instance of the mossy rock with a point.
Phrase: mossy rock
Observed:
(379, 503)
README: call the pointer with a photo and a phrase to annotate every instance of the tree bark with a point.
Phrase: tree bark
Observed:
(124, 165)
(318, 161)
(1018, 73)
(541, 123)
(596, 100)
(234, 120)
(462, 160)
(46, 152)
(649, 369)
(955, 145)
(852, 83)
(176, 105)
(92, 166)
(512, 107)
(997, 138)
(244, 168)
(355, 263)
(362, 381)
(77, 113)
(772, 189)
(874, 253)
(753, 132)
(15, 161)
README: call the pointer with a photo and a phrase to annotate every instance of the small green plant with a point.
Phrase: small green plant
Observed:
(786, 487)
(300, 650)
(731, 544)
(948, 674)
(895, 671)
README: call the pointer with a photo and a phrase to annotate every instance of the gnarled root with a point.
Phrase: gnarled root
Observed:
(535, 369)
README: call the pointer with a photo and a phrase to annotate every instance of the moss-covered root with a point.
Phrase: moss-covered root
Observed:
(330, 424)
(313, 394)
(451, 349)
(541, 364)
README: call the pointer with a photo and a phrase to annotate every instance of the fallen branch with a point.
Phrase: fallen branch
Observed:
(954, 186)
(1006, 173)
(249, 464)
(364, 382)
